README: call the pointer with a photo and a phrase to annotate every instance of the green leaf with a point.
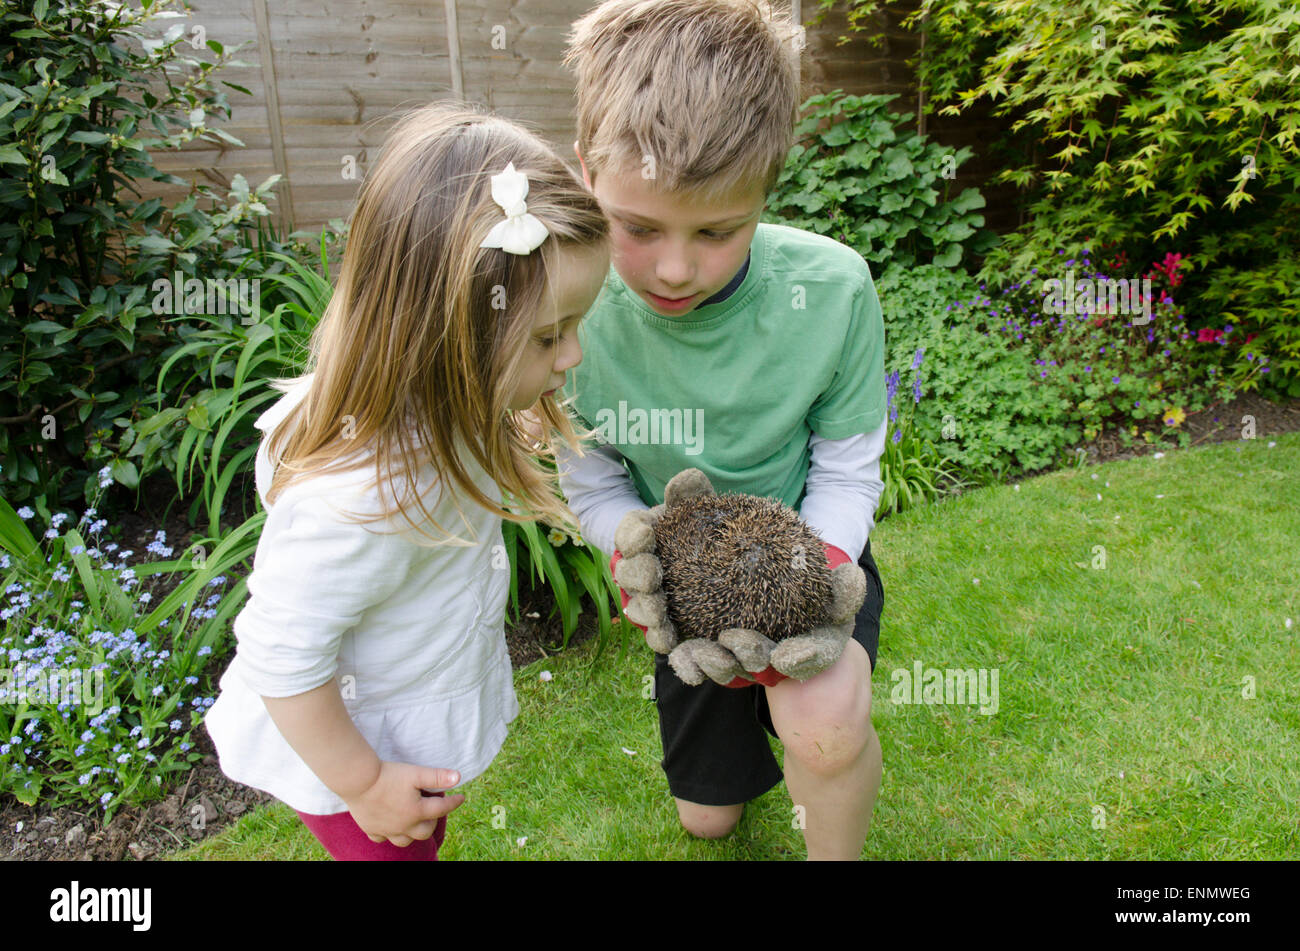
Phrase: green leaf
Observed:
(42, 327)
(89, 138)
(125, 473)
(14, 535)
(156, 244)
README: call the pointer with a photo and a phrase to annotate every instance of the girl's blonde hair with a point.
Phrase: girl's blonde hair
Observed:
(418, 352)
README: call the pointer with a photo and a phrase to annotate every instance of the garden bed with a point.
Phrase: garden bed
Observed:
(147, 832)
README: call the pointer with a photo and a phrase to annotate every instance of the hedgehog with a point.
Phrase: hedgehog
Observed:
(729, 586)
(741, 561)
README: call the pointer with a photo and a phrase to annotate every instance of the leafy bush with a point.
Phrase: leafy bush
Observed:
(88, 88)
(986, 414)
(852, 174)
(1141, 125)
(211, 386)
(1015, 384)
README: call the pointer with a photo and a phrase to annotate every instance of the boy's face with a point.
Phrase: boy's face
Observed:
(674, 250)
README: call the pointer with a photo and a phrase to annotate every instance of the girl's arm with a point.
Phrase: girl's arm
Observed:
(317, 726)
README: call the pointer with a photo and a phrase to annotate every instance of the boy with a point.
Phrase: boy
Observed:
(765, 342)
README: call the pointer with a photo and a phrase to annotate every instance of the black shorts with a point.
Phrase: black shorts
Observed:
(716, 752)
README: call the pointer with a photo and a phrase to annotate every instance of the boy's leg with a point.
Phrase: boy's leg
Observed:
(832, 753)
(708, 822)
(716, 752)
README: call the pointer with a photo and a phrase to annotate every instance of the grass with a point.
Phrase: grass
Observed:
(1148, 708)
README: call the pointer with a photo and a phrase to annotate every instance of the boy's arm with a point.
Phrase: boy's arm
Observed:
(599, 490)
(844, 488)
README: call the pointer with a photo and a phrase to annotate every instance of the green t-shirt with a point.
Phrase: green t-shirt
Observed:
(735, 388)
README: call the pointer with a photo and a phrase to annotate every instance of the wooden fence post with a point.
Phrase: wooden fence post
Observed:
(272, 90)
(453, 51)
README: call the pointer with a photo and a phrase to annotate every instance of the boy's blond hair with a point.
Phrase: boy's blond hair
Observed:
(697, 95)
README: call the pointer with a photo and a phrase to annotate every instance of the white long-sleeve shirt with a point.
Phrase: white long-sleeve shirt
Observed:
(842, 490)
(414, 632)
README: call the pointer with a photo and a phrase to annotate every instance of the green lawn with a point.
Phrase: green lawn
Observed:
(1126, 724)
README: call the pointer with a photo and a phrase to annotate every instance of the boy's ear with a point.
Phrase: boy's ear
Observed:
(586, 177)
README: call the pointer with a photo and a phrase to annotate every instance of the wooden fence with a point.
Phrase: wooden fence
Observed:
(326, 76)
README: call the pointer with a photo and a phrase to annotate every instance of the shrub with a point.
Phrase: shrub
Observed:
(1015, 384)
(986, 413)
(88, 88)
(1141, 126)
(852, 174)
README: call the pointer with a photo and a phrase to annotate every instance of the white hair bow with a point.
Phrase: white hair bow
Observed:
(521, 232)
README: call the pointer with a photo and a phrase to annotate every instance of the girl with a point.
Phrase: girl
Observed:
(371, 667)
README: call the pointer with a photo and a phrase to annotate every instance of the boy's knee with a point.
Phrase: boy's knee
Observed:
(828, 749)
(825, 723)
(708, 822)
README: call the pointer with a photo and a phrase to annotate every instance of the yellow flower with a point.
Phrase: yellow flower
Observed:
(1174, 416)
(557, 537)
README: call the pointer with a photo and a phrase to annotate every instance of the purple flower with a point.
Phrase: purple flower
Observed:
(897, 437)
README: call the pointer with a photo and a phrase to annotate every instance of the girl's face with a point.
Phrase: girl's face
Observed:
(552, 348)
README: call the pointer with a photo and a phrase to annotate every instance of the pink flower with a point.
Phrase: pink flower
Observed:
(1209, 335)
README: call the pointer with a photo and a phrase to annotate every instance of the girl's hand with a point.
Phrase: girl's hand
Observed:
(394, 809)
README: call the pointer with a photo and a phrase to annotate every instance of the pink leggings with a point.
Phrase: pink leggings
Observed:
(345, 841)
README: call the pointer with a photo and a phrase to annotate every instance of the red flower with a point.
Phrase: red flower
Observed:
(1209, 335)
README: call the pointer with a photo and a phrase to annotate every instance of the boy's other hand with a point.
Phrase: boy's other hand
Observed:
(636, 568)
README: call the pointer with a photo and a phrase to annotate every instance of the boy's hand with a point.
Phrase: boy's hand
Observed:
(742, 657)
(635, 566)
(809, 654)
(395, 808)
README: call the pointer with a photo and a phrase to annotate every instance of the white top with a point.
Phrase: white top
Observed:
(841, 492)
(414, 630)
